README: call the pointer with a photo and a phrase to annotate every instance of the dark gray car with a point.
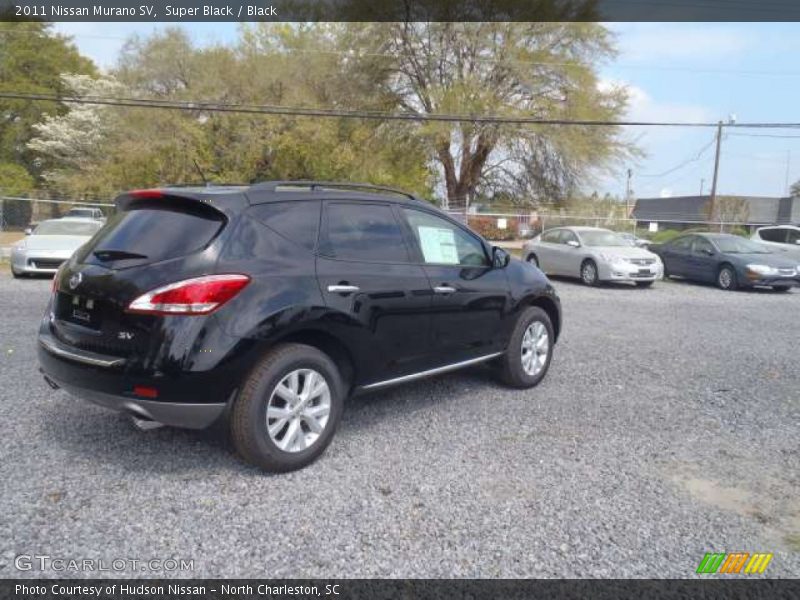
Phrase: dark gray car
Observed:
(728, 260)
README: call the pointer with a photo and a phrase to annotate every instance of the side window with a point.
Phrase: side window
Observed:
(297, 220)
(792, 236)
(702, 246)
(682, 243)
(776, 234)
(551, 237)
(568, 236)
(364, 232)
(441, 242)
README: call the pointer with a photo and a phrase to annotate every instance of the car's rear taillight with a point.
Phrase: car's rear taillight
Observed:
(197, 296)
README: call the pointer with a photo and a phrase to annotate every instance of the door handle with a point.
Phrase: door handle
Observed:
(343, 289)
(444, 289)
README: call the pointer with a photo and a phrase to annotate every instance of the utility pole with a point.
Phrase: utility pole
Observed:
(713, 199)
(628, 193)
(702, 185)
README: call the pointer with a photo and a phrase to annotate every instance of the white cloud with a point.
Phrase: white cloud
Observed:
(643, 107)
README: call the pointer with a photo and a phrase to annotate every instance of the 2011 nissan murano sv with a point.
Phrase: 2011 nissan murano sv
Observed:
(270, 304)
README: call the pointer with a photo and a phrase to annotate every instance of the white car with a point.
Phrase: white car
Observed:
(51, 243)
(780, 238)
(593, 255)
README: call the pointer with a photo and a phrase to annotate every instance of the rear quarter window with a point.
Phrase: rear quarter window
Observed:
(150, 232)
(295, 220)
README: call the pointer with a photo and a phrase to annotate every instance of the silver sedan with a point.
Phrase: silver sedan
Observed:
(50, 244)
(593, 255)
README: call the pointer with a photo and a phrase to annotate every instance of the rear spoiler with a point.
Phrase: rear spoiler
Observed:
(189, 199)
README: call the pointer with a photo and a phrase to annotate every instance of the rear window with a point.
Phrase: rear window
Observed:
(148, 233)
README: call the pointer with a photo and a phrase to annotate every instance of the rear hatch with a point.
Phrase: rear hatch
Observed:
(150, 242)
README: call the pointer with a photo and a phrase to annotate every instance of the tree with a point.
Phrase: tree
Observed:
(32, 60)
(541, 70)
(795, 189)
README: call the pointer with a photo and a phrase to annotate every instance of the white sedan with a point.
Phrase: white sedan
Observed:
(50, 244)
(593, 255)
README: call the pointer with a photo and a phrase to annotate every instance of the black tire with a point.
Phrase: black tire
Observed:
(588, 273)
(510, 368)
(248, 421)
(726, 278)
(15, 274)
(667, 274)
(781, 288)
(644, 284)
(533, 260)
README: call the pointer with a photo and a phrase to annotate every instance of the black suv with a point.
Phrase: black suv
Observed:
(270, 304)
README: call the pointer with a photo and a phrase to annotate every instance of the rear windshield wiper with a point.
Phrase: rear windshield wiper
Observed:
(105, 255)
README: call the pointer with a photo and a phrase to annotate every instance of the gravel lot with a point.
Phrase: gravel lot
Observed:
(667, 428)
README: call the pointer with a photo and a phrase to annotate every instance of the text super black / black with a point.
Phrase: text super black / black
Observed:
(279, 300)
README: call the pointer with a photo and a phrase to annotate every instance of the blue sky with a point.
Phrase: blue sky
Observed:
(674, 72)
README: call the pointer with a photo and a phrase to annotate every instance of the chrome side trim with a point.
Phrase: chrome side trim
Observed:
(86, 359)
(436, 371)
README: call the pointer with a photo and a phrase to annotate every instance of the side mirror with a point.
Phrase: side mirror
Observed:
(573, 244)
(500, 258)
(28, 230)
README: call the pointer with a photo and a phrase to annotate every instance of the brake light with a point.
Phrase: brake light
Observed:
(196, 296)
(147, 194)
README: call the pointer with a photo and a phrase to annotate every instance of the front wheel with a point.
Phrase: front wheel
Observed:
(726, 278)
(533, 260)
(781, 288)
(288, 409)
(530, 350)
(589, 272)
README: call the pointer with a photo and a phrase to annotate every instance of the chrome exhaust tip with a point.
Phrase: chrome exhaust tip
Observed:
(145, 424)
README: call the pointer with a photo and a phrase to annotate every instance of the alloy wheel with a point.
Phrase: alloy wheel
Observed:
(725, 278)
(535, 348)
(589, 273)
(298, 410)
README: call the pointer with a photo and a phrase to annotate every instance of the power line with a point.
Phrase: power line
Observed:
(205, 106)
(682, 164)
(765, 135)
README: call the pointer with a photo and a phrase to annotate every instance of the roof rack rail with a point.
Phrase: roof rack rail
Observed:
(273, 185)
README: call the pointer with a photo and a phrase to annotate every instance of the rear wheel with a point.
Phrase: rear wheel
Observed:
(530, 350)
(15, 274)
(726, 278)
(781, 288)
(644, 284)
(589, 272)
(288, 409)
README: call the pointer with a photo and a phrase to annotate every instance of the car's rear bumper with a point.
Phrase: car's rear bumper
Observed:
(106, 380)
(176, 414)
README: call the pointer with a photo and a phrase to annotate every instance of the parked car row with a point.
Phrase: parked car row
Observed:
(594, 255)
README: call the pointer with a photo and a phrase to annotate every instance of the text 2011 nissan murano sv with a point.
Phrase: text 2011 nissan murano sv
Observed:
(270, 304)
